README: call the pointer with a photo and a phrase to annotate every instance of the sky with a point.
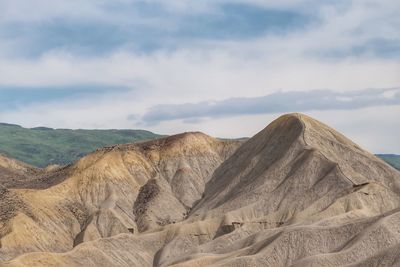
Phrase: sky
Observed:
(223, 67)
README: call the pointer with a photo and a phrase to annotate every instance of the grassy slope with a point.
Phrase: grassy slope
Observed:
(43, 146)
(393, 160)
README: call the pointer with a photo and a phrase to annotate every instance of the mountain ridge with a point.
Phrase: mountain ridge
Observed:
(45, 146)
(297, 193)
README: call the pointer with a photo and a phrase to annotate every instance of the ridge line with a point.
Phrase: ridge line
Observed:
(305, 142)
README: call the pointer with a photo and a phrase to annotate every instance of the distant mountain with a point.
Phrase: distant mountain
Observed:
(392, 159)
(42, 146)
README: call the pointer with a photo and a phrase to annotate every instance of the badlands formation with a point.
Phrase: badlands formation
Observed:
(296, 194)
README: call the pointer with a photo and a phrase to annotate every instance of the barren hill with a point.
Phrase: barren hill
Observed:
(296, 194)
(103, 193)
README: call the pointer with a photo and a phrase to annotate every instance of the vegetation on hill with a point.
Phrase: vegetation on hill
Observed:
(392, 159)
(44, 146)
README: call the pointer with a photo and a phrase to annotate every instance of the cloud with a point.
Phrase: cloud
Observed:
(167, 53)
(97, 28)
(280, 102)
(14, 97)
(134, 25)
(261, 44)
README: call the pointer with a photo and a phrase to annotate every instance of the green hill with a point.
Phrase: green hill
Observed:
(393, 160)
(43, 146)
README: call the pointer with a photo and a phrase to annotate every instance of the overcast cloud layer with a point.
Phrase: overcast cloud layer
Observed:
(280, 102)
(178, 65)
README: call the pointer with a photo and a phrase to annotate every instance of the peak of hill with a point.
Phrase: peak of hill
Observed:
(42, 146)
(295, 159)
(15, 172)
(296, 194)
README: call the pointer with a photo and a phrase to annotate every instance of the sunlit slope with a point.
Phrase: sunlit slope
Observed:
(101, 195)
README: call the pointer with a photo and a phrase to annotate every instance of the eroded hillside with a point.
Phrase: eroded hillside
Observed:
(296, 194)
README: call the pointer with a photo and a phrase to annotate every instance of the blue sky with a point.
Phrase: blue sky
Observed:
(180, 65)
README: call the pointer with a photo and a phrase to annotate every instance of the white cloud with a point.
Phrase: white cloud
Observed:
(278, 102)
(292, 61)
(199, 70)
(194, 75)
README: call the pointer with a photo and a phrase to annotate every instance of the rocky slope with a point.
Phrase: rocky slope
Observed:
(103, 193)
(296, 194)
